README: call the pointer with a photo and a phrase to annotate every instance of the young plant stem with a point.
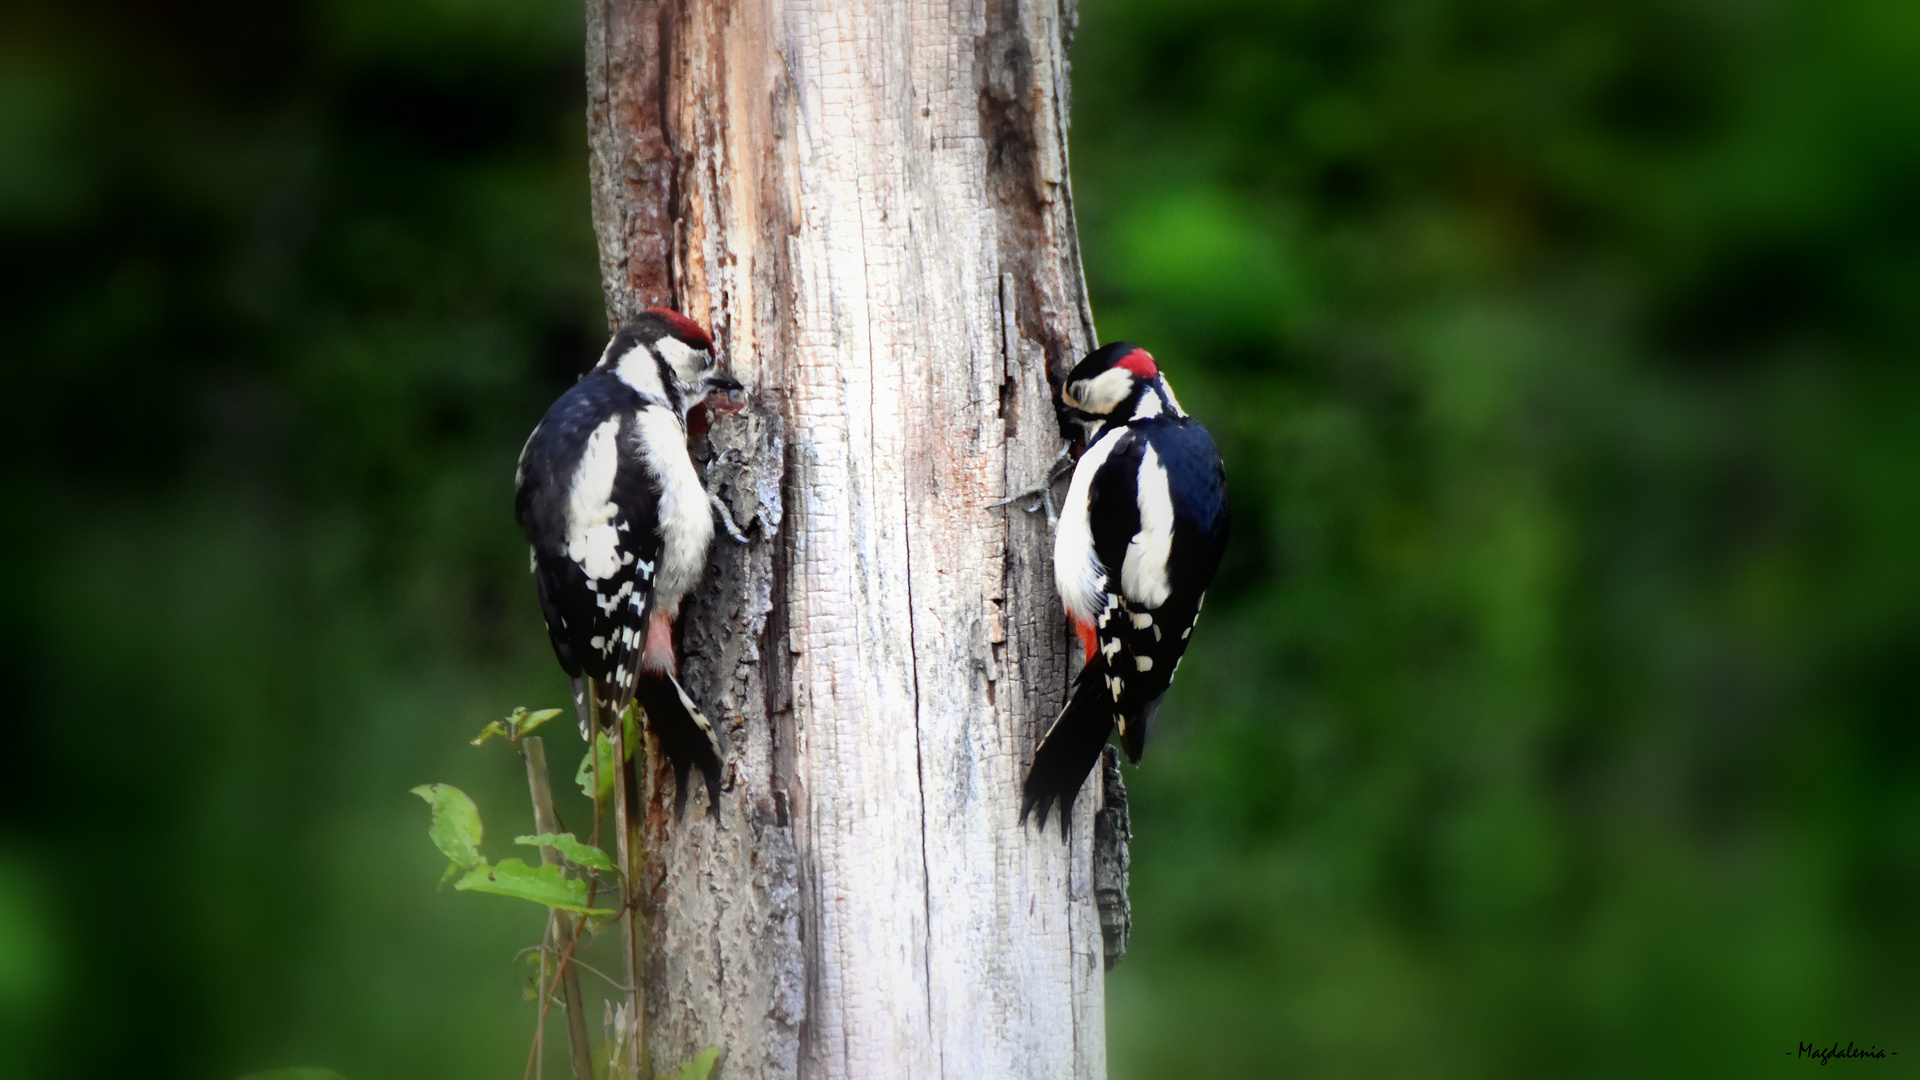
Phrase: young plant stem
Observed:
(628, 814)
(547, 820)
(537, 1057)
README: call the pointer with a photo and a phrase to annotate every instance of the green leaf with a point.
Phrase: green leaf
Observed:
(540, 884)
(534, 720)
(630, 728)
(580, 854)
(603, 749)
(698, 1068)
(456, 824)
(294, 1074)
(518, 725)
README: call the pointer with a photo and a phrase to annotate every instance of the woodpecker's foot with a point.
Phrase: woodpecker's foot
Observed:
(1044, 495)
(1062, 465)
(713, 498)
(726, 519)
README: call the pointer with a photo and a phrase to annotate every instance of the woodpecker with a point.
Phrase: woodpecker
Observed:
(1139, 537)
(619, 522)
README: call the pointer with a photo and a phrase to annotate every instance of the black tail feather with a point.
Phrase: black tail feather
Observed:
(577, 687)
(1134, 739)
(685, 737)
(1068, 751)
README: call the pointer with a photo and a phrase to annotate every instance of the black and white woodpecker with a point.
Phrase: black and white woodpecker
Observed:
(1138, 540)
(619, 524)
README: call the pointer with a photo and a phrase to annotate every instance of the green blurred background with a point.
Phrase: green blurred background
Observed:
(1555, 715)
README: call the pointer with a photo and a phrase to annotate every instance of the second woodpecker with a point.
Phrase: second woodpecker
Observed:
(619, 524)
(1139, 538)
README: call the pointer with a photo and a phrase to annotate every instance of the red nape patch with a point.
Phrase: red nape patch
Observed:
(1139, 363)
(1085, 630)
(688, 329)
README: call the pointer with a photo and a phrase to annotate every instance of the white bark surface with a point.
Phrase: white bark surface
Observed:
(869, 207)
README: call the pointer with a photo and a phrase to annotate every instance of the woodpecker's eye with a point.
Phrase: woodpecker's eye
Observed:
(1071, 394)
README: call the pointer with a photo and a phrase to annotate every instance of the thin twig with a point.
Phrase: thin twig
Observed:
(582, 965)
(547, 820)
(533, 1052)
(539, 1062)
(566, 961)
(627, 832)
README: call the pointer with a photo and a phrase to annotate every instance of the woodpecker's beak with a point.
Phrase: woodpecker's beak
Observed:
(730, 397)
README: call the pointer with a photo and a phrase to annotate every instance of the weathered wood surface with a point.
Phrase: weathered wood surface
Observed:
(867, 202)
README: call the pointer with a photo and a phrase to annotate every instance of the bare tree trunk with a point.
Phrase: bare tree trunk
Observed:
(867, 202)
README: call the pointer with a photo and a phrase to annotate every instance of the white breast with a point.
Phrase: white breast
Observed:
(1077, 572)
(686, 521)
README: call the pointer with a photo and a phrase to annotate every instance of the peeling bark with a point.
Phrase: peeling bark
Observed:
(1112, 859)
(867, 203)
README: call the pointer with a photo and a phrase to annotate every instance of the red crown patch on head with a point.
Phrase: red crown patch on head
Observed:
(687, 329)
(1139, 363)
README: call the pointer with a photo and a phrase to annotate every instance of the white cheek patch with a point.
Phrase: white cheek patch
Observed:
(687, 362)
(1143, 573)
(639, 370)
(1105, 391)
(1077, 572)
(591, 539)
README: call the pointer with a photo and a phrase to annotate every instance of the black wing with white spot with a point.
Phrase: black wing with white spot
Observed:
(589, 506)
(1144, 630)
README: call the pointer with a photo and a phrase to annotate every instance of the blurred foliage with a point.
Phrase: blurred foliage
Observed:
(298, 279)
(1555, 711)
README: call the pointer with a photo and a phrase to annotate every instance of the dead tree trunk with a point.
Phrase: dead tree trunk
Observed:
(867, 202)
